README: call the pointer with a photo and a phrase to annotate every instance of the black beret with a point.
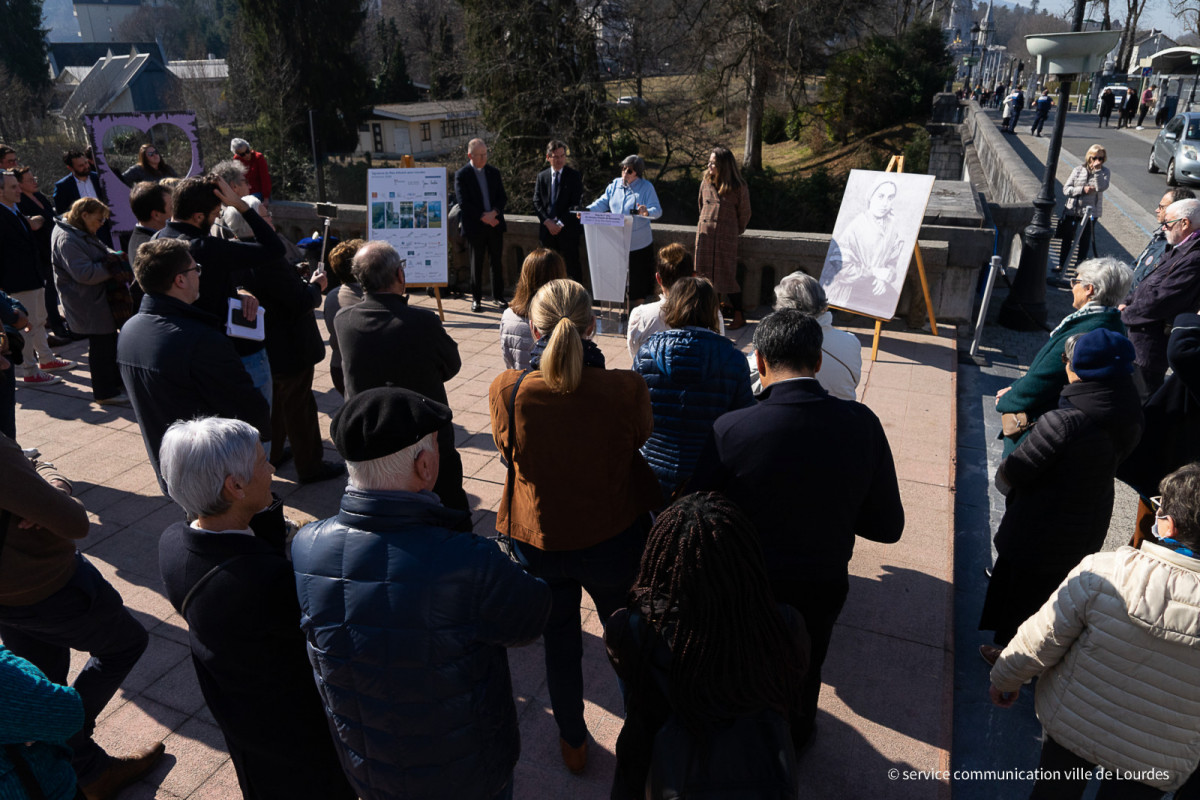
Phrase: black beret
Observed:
(379, 422)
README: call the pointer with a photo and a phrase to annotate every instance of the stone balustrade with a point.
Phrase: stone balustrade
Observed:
(955, 244)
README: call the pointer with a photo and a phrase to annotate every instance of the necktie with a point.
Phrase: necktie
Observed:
(554, 189)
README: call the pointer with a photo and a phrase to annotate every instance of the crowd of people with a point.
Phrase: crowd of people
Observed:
(324, 653)
(1109, 636)
(364, 655)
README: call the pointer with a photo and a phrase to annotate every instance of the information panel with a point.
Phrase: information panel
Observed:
(407, 207)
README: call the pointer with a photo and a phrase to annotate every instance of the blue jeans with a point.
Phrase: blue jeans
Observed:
(87, 615)
(260, 372)
(607, 570)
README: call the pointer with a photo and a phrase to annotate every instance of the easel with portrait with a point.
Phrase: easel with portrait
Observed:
(864, 292)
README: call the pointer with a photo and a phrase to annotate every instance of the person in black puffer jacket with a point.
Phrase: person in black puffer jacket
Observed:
(1059, 482)
(407, 620)
(694, 375)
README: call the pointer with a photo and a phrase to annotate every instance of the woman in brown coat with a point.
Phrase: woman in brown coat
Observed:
(578, 497)
(724, 214)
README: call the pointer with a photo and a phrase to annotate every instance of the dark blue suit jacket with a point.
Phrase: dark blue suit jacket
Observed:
(811, 472)
(66, 192)
(470, 199)
(19, 254)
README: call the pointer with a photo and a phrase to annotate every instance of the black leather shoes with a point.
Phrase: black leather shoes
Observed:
(477, 306)
(327, 471)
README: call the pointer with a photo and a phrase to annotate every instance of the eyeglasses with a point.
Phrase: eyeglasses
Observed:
(151, 152)
(1168, 223)
(628, 170)
(1101, 159)
(1079, 281)
(195, 269)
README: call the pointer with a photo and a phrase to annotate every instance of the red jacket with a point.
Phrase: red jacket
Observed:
(257, 173)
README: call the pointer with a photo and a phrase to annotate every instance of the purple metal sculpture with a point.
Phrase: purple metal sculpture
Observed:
(99, 125)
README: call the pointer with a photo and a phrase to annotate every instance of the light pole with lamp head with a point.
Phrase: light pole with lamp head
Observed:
(1195, 58)
(971, 58)
(1025, 307)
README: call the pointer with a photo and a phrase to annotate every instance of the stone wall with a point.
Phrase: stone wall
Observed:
(994, 167)
(954, 246)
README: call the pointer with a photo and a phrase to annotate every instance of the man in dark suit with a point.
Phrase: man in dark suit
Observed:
(811, 472)
(558, 190)
(1172, 288)
(384, 342)
(481, 201)
(81, 181)
(22, 280)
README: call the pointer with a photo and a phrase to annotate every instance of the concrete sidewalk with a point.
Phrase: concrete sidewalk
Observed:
(887, 703)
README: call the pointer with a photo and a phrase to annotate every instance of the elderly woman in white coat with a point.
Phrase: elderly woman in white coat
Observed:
(1117, 650)
(841, 353)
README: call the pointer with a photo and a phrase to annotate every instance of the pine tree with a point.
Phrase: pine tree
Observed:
(392, 84)
(317, 38)
(23, 48)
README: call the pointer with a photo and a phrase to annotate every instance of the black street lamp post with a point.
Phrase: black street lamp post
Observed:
(971, 58)
(1025, 307)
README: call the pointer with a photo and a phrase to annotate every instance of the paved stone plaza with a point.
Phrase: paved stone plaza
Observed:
(887, 702)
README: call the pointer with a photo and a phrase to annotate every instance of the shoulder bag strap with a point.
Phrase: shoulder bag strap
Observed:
(508, 458)
(205, 578)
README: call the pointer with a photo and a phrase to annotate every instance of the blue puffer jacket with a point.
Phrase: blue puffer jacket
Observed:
(695, 375)
(407, 624)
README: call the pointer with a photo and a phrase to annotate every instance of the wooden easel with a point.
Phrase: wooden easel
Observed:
(406, 162)
(896, 164)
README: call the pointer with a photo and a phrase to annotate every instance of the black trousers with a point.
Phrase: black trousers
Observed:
(488, 243)
(1070, 226)
(641, 273)
(449, 486)
(294, 418)
(566, 246)
(1071, 781)
(102, 358)
(819, 604)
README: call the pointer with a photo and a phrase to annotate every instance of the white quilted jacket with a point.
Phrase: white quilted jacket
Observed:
(1118, 651)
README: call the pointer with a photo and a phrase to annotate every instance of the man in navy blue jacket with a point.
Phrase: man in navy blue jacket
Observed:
(811, 472)
(407, 620)
(81, 181)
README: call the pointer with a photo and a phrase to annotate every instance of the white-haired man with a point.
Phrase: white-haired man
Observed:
(386, 342)
(407, 620)
(252, 666)
(1172, 288)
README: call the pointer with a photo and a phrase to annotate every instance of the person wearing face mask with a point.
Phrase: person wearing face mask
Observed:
(1058, 483)
(1113, 650)
(1084, 189)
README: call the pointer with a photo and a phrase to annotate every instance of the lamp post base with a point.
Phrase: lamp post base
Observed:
(1025, 307)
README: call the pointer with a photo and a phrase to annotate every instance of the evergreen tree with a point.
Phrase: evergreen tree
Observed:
(445, 80)
(317, 39)
(533, 67)
(392, 84)
(23, 48)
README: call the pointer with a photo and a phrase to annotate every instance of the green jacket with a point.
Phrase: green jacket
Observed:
(1036, 392)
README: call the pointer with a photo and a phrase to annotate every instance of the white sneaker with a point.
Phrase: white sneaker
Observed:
(1140, 128)
(121, 399)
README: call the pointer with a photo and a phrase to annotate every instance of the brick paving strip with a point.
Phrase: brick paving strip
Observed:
(887, 700)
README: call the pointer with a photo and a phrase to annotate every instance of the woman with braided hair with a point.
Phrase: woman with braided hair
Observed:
(702, 639)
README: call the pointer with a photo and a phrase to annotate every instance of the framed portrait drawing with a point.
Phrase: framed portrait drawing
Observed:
(872, 246)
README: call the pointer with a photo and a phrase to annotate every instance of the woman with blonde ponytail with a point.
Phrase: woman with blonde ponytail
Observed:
(578, 494)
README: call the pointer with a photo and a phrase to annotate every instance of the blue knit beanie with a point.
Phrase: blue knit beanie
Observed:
(1102, 354)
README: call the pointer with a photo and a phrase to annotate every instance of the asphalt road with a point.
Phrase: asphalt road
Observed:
(1129, 203)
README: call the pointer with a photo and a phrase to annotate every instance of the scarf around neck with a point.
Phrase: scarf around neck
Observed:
(1092, 307)
(592, 355)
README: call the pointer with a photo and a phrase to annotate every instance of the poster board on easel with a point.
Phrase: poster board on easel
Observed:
(873, 243)
(406, 207)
